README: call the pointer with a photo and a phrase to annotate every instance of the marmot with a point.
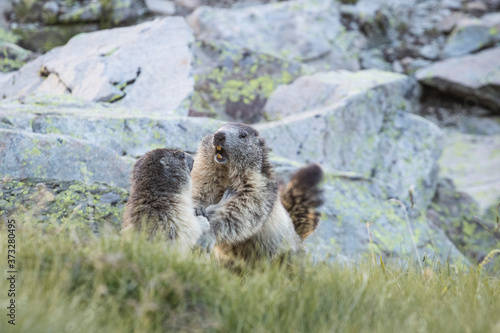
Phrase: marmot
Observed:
(160, 198)
(252, 221)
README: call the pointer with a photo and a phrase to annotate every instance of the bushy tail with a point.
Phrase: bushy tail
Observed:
(301, 198)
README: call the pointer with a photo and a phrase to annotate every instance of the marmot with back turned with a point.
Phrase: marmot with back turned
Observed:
(252, 221)
(160, 198)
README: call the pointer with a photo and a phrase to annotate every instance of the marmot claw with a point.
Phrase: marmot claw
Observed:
(200, 211)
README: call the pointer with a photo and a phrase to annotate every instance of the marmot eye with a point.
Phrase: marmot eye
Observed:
(243, 135)
(181, 156)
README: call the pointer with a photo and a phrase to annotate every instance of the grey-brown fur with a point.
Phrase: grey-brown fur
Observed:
(301, 198)
(251, 221)
(161, 199)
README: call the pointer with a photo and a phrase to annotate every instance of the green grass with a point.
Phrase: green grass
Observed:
(69, 281)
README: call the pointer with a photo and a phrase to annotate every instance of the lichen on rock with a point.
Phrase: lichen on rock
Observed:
(233, 83)
(71, 204)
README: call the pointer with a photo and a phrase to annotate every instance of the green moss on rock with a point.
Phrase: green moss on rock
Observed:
(238, 82)
(69, 203)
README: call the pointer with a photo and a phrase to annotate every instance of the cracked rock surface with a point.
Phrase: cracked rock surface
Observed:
(315, 37)
(41, 200)
(475, 77)
(149, 61)
(26, 154)
(359, 122)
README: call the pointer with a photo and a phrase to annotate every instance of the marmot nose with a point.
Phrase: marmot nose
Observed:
(219, 138)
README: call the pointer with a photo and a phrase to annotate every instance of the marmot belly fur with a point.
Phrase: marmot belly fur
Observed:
(161, 199)
(252, 222)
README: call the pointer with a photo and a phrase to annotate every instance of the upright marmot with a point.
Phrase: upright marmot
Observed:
(160, 198)
(252, 220)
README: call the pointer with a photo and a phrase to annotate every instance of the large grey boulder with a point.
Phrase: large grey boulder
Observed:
(12, 56)
(471, 35)
(400, 27)
(358, 122)
(457, 214)
(61, 11)
(70, 203)
(473, 77)
(5, 6)
(45, 24)
(233, 83)
(25, 154)
(126, 131)
(302, 30)
(147, 66)
(473, 163)
(350, 202)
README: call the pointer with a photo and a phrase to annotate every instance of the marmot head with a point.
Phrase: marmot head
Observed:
(239, 145)
(162, 171)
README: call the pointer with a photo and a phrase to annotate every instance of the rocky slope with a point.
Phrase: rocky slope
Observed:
(326, 82)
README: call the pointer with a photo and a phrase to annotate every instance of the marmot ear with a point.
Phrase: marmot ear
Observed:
(262, 144)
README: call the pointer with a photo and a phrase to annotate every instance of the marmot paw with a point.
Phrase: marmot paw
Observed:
(200, 211)
(206, 242)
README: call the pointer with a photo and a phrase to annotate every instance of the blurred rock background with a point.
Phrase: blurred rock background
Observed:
(397, 100)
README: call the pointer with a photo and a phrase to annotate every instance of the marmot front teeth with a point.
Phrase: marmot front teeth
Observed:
(252, 222)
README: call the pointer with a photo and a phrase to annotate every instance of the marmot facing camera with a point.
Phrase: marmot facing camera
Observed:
(160, 198)
(252, 221)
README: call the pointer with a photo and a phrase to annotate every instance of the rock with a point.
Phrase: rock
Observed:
(45, 24)
(8, 36)
(456, 213)
(470, 35)
(5, 7)
(476, 8)
(430, 51)
(50, 11)
(233, 83)
(186, 7)
(472, 162)
(108, 12)
(45, 38)
(191, 4)
(449, 22)
(493, 5)
(70, 203)
(26, 154)
(493, 21)
(12, 57)
(397, 67)
(147, 66)
(396, 23)
(412, 65)
(89, 13)
(374, 59)
(352, 200)
(458, 115)
(162, 7)
(301, 30)
(347, 121)
(123, 11)
(478, 77)
(352, 204)
(491, 218)
(453, 4)
(127, 132)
